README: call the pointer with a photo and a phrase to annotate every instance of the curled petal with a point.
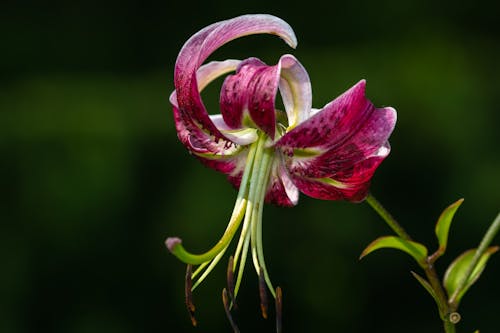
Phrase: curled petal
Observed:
(336, 152)
(192, 136)
(296, 92)
(243, 136)
(217, 154)
(251, 92)
(201, 45)
(211, 71)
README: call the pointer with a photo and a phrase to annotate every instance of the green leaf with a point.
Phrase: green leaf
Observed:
(443, 225)
(458, 269)
(416, 250)
(429, 289)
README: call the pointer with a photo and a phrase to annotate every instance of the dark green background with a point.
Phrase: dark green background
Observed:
(93, 178)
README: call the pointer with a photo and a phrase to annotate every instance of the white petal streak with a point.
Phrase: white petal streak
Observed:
(295, 88)
(211, 71)
(242, 137)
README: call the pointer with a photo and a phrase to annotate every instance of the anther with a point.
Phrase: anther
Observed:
(230, 281)
(263, 294)
(225, 301)
(189, 295)
(279, 309)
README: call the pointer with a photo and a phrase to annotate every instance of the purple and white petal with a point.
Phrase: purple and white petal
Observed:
(214, 69)
(190, 134)
(242, 137)
(219, 154)
(295, 89)
(201, 45)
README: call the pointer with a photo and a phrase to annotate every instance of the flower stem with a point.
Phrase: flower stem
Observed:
(449, 327)
(444, 307)
(391, 221)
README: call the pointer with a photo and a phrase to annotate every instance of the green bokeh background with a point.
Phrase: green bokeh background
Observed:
(93, 178)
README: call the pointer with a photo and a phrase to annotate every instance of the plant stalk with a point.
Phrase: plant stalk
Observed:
(444, 308)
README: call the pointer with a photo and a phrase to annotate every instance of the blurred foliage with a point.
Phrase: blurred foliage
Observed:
(93, 177)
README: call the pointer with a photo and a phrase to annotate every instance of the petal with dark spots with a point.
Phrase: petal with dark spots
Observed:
(350, 184)
(332, 125)
(366, 141)
(334, 154)
(190, 134)
(251, 92)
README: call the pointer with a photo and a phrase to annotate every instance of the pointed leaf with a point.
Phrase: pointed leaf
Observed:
(443, 225)
(427, 287)
(416, 250)
(458, 269)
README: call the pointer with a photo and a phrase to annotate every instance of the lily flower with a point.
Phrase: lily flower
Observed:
(270, 155)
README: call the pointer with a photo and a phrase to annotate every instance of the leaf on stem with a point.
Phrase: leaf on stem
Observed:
(443, 226)
(457, 271)
(427, 287)
(416, 250)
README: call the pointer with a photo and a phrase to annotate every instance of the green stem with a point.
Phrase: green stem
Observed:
(391, 221)
(430, 271)
(483, 246)
(442, 301)
(449, 327)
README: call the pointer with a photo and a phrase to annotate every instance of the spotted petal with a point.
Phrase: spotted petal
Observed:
(336, 151)
(249, 95)
(217, 154)
(194, 52)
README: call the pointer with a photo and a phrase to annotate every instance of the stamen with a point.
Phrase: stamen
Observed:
(245, 241)
(279, 309)
(174, 244)
(263, 294)
(225, 301)
(230, 281)
(212, 265)
(189, 295)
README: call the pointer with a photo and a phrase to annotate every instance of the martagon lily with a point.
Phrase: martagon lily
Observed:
(270, 155)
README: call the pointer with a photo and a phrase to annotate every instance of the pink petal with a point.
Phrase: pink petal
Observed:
(201, 45)
(192, 136)
(217, 154)
(351, 183)
(333, 124)
(251, 90)
(336, 152)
